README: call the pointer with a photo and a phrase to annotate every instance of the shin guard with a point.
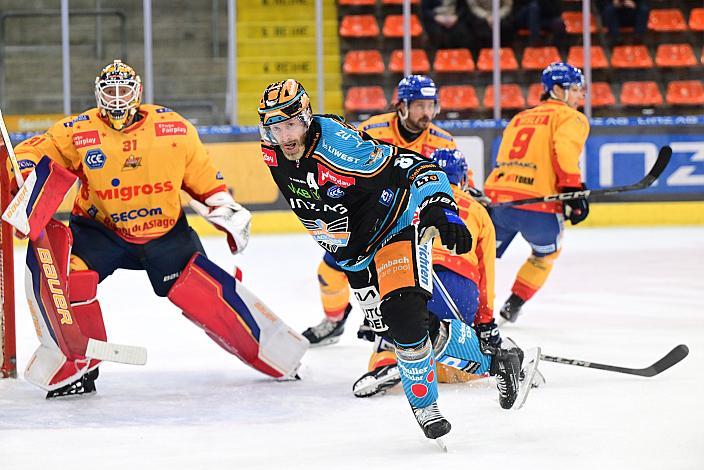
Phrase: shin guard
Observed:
(236, 319)
(417, 369)
(458, 346)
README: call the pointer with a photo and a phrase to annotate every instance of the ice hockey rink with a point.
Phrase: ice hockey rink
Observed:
(617, 296)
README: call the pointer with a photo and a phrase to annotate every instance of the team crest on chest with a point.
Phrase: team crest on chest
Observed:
(131, 163)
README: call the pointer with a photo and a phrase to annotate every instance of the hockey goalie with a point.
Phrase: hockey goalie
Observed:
(132, 160)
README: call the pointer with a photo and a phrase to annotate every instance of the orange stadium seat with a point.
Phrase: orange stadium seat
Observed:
(640, 94)
(573, 22)
(419, 61)
(675, 55)
(537, 58)
(511, 97)
(365, 98)
(453, 60)
(631, 57)
(393, 26)
(601, 95)
(363, 63)
(398, 2)
(576, 57)
(458, 98)
(666, 20)
(534, 93)
(359, 26)
(696, 19)
(357, 3)
(685, 93)
(507, 58)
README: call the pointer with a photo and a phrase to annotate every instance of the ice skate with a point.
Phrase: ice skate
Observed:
(377, 381)
(506, 367)
(512, 308)
(432, 422)
(327, 331)
(82, 386)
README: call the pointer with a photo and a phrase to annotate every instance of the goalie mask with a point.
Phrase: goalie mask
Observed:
(283, 101)
(118, 92)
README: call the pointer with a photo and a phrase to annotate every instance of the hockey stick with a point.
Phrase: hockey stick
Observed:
(660, 164)
(70, 338)
(670, 359)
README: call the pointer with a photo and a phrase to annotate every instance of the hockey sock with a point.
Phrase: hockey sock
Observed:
(417, 369)
(458, 346)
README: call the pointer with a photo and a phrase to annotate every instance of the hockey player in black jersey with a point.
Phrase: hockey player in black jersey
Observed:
(358, 198)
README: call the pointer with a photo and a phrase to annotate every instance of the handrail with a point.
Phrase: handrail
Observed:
(57, 13)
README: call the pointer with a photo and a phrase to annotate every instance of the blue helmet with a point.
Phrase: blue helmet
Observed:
(417, 87)
(561, 74)
(452, 162)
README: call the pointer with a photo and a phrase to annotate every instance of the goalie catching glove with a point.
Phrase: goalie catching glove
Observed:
(438, 216)
(225, 214)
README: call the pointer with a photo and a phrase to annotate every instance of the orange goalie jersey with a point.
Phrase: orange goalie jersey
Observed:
(130, 179)
(384, 127)
(539, 155)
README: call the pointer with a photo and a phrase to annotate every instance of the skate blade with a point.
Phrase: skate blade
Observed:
(530, 367)
(441, 443)
(325, 342)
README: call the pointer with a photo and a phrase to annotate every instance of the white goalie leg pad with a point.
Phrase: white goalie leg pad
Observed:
(49, 370)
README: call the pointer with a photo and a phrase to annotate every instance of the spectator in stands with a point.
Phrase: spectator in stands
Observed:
(538, 15)
(617, 14)
(445, 23)
(480, 20)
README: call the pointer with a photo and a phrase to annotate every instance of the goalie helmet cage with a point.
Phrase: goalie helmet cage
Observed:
(8, 363)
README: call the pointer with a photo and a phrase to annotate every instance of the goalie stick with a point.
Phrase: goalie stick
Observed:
(69, 336)
(668, 360)
(660, 164)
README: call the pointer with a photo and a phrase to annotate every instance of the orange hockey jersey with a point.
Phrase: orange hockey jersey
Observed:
(539, 155)
(478, 263)
(385, 127)
(130, 179)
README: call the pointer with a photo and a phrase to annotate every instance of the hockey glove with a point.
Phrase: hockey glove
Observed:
(438, 216)
(575, 210)
(488, 333)
(225, 214)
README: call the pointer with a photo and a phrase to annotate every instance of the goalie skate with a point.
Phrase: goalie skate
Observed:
(379, 380)
(82, 386)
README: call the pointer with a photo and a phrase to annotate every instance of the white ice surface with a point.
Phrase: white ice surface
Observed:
(619, 296)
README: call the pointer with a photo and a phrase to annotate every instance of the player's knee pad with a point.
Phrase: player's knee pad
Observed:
(406, 315)
(236, 319)
(48, 367)
(334, 290)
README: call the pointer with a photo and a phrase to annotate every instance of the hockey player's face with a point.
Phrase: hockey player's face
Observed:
(575, 96)
(290, 136)
(420, 114)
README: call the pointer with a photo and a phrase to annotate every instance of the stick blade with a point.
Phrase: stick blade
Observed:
(670, 359)
(660, 164)
(112, 352)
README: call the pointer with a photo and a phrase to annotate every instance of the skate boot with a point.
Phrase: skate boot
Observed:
(84, 385)
(377, 381)
(506, 367)
(512, 308)
(327, 331)
(431, 421)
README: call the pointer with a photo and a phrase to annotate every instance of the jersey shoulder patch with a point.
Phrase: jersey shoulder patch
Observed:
(436, 131)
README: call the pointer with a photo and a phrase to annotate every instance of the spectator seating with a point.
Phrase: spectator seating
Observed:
(365, 98)
(575, 56)
(537, 58)
(507, 60)
(675, 55)
(511, 97)
(393, 26)
(685, 93)
(631, 57)
(359, 26)
(453, 61)
(458, 98)
(419, 61)
(641, 94)
(666, 20)
(363, 63)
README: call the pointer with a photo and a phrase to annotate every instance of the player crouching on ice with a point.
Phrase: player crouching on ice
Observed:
(368, 194)
(132, 159)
